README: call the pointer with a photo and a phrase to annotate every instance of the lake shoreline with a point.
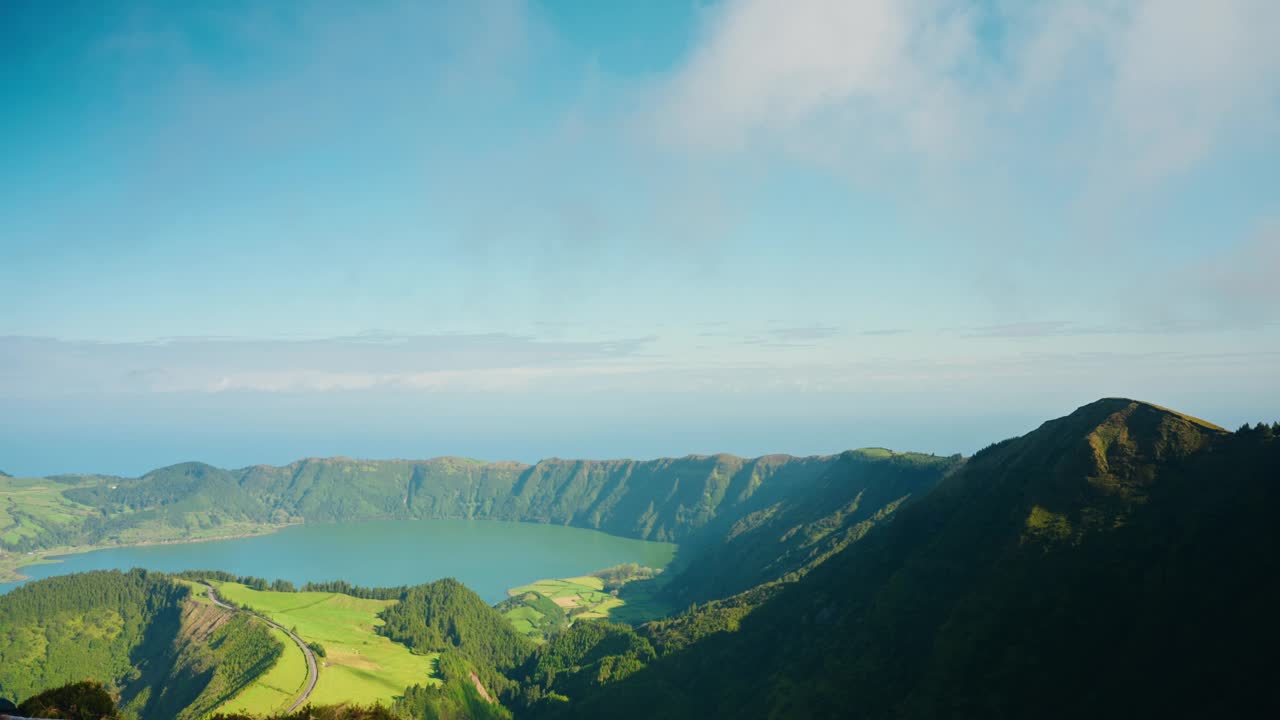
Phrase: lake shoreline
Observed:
(487, 555)
(11, 567)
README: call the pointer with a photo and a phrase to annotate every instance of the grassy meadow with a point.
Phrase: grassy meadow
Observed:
(278, 687)
(625, 593)
(32, 507)
(581, 598)
(358, 666)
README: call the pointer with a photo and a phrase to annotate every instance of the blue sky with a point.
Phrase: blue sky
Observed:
(249, 232)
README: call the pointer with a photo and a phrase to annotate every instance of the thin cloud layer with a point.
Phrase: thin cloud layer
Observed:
(1143, 91)
(780, 214)
(480, 363)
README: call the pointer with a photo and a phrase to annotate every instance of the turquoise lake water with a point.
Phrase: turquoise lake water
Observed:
(487, 556)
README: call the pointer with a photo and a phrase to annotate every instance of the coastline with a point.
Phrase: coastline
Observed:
(11, 566)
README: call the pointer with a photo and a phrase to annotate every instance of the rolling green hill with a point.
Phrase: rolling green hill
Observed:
(1122, 561)
(359, 664)
(140, 634)
(477, 647)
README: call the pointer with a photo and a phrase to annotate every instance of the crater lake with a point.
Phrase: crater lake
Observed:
(487, 556)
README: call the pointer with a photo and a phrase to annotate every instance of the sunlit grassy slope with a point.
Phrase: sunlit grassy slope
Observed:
(359, 665)
(580, 597)
(278, 687)
(30, 508)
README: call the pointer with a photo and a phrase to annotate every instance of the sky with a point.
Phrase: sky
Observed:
(247, 232)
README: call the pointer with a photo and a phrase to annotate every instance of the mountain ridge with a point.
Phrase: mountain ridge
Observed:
(1120, 560)
(692, 500)
(1108, 563)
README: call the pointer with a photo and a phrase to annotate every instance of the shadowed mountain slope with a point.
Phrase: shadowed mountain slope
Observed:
(1121, 561)
(780, 514)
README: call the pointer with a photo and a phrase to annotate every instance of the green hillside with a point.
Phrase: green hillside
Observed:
(1122, 561)
(695, 500)
(359, 664)
(142, 635)
(784, 529)
(478, 648)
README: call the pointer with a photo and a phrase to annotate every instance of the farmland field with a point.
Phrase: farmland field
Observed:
(581, 597)
(625, 593)
(358, 665)
(30, 508)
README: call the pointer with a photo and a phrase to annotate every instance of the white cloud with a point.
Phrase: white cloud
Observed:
(775, 67)
(1124, 94)
(467, 363)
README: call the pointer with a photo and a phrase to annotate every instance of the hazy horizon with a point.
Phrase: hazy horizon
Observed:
(245, 233)
(228, 449)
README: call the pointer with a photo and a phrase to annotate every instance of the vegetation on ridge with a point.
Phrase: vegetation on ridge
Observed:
(139, 634)
(359, 663)
(1117, 561)
(1151, 596)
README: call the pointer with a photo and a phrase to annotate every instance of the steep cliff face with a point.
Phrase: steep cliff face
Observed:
(788, 526)
(669, 499)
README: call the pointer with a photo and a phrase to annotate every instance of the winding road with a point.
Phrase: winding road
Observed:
(313, 671)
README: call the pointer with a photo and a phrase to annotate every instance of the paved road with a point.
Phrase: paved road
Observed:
(313, 672)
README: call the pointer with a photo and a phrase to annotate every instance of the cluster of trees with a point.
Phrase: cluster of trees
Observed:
(234, 655)
(323, 712)
(455, 698)
(90, 700)
(1262, 430)
(447, 615)
(676, 633)
(74, 627)
(133, 632)
(618, 575)
(475, 642)
(278, 585)
(251, 581)
(587, 655)
(85, 700)
(548, 617)
(346, 588)
(584, 660)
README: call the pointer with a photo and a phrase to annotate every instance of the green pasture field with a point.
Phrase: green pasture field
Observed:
(359, 665)
(584, 598)
(278, 687)
(35, 509)
(581, 597)
(29, 505)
